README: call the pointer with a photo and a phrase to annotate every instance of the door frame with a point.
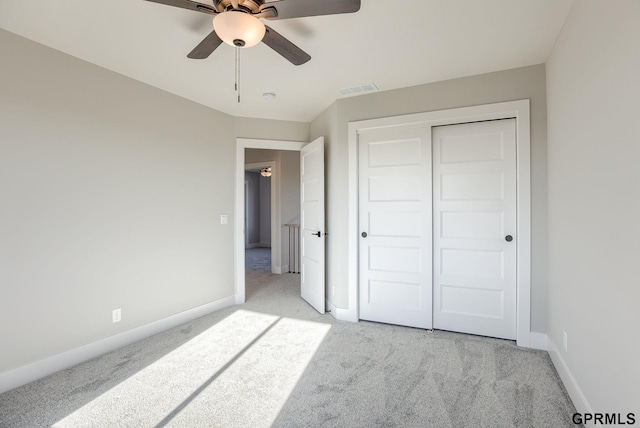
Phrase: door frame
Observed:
(239, 232)
(512, 109)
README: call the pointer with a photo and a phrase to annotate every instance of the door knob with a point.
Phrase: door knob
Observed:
(364, 234)
(318, 234)
(508, 238)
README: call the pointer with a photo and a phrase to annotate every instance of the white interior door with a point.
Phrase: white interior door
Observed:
(312, 231)
(474, 202)
(395, 226)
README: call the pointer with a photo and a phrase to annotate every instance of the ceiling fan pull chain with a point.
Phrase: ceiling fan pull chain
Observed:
(238, 72)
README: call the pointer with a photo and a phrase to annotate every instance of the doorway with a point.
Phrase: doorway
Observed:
(260, 210)
(267, 147)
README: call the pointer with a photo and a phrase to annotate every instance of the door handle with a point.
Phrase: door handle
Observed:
(508, 238)
(318, 234)
(364, 234)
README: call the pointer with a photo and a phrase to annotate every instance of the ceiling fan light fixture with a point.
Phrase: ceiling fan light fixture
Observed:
(237, 28)
(265, 172)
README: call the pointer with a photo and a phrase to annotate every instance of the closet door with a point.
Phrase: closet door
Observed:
(395, 226)
(474, 202)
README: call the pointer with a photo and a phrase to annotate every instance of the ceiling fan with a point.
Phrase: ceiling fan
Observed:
(237, 22)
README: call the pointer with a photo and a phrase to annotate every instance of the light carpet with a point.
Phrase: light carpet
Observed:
(275, 361)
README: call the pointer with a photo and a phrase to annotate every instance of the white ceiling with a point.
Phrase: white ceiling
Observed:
(394, 44)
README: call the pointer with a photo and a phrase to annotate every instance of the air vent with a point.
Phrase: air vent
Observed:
(357, 90)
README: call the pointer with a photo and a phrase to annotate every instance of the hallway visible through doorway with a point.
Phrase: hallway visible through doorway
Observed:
(258, 259)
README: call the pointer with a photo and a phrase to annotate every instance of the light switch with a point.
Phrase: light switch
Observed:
(224, 219)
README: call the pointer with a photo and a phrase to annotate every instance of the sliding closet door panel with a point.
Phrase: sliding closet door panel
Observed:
(395, 226)
(474, 191)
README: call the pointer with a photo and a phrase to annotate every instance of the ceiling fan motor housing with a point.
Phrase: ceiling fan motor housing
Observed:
(251, 6)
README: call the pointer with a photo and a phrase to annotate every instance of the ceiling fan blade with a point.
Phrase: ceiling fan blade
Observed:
(205, 47)
(299, 8)
(284, 47)
(186, 4)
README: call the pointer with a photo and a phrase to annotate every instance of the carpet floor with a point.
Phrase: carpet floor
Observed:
(275, 361)
(258, 259)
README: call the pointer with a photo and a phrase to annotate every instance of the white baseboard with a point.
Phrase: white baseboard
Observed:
(538, 341)
(239, 300)
(330, 307)
(342, 314)
(257, 245)
(22, 375)
(577, 397)
(281, 269)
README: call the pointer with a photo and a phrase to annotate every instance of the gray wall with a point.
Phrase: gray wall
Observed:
(257, 210)
(522, 83)
(290, 187)
(111, 192)
(252, 208)
(594, 201)
(246, 127)
(110, 199)
(265, 210)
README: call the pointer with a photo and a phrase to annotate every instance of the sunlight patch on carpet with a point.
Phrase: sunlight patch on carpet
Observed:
(239, 372)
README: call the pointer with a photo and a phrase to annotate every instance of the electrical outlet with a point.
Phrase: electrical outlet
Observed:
(116, 315)
(564, 340)
(333, 291)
